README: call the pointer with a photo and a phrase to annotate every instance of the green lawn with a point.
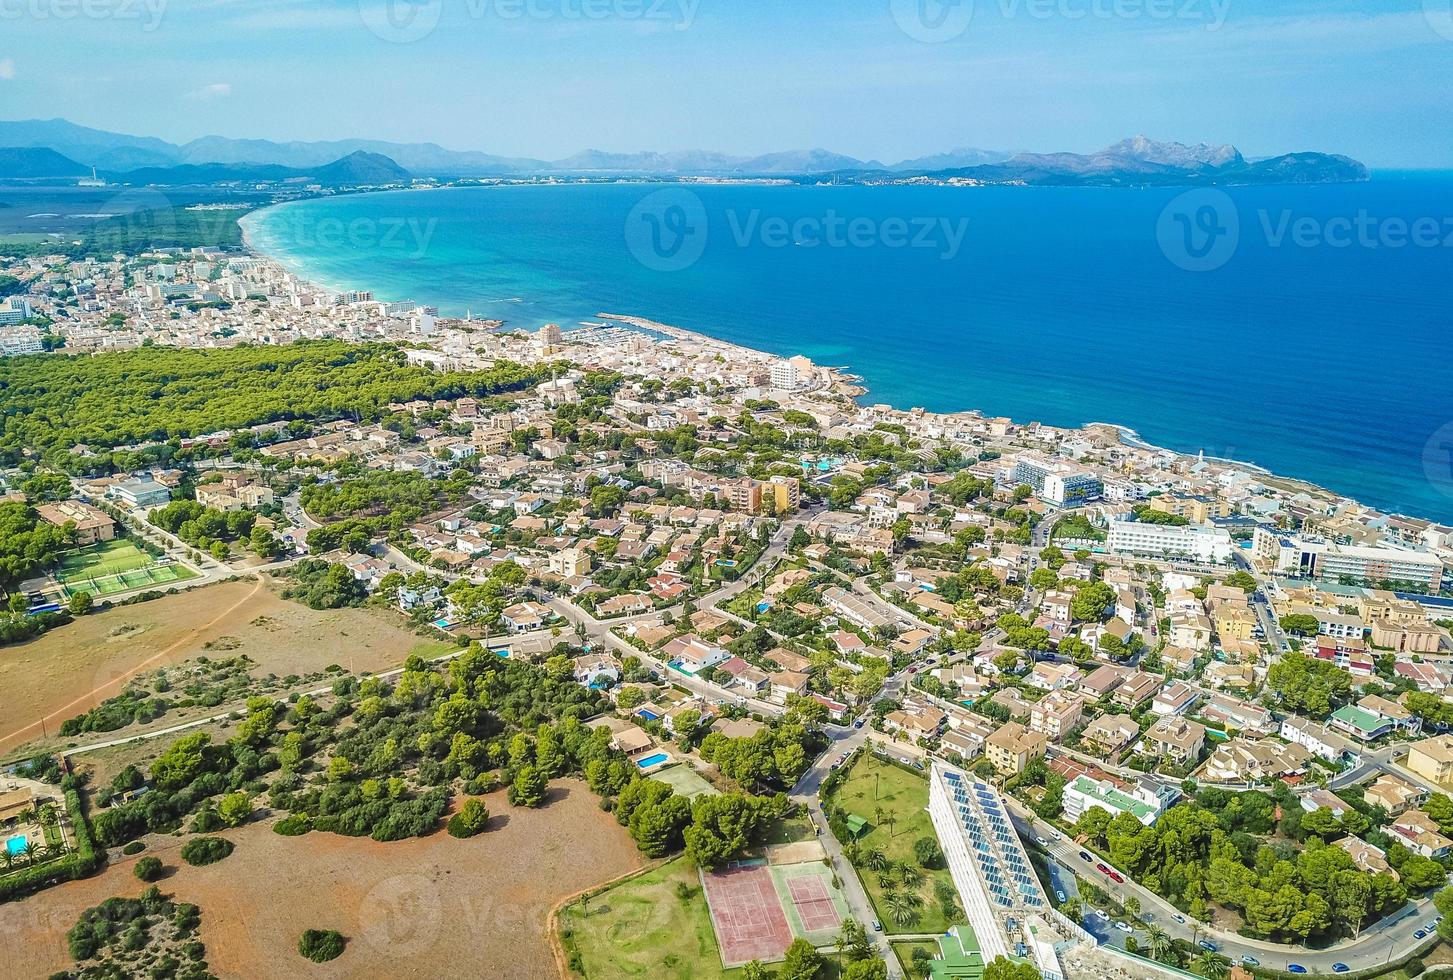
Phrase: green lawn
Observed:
(787, 830)
(894, 802)
(904, 952)
(433, 649)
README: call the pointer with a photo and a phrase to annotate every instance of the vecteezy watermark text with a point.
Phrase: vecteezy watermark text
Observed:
(1202, 230)
(403, 237)
(936, 21)
(1361, 230)
(668, 230)
(402, 21)
(147, 12)
(833, 230)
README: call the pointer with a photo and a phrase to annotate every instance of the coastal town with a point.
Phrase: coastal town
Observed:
(934, 695)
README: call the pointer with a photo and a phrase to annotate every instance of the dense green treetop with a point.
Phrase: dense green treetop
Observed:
(121, 398)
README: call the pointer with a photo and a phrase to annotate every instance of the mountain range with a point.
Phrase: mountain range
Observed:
(211, 159)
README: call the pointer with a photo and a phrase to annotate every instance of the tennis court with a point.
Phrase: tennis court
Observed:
(815, 908)
(746, 914)
(685, 780)
(117, 566)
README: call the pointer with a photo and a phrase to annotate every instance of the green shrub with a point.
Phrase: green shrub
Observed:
(135, 847)
(470, 820)
(293, 826)
(321, 945)
(148, 869)
(206, 850)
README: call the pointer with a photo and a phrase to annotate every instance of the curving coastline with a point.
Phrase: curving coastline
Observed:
(259, 243)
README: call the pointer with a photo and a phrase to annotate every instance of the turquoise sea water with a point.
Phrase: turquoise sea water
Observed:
(1312, 339)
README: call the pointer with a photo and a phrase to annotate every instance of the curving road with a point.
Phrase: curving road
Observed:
(1388, 939)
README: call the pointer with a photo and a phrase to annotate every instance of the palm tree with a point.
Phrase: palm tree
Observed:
(1212, 966)
(903, 907)
(32, 852)
(1132, 907)
(887, 878)
(910, 875)
(9, 860)
(1157, 941)
(876, 860)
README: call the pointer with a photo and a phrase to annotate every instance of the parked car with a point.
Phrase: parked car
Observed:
(877, 926)
(1420, 934)
(1102, 869)
(1248, 960)
(1178, 917)
(1084, 856)
(1041, 841)
(1340, 967)
(1122, 927)
(1207, 945)
(1296, 968)
(1059, 896)
(1117, 877)
(858, 723)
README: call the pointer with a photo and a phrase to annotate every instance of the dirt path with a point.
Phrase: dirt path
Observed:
(114, 685)
(72, 669)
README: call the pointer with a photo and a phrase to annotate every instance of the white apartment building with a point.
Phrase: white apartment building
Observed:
(1205, 544)
(1293, 556)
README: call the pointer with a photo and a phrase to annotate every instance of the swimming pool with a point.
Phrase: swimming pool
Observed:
(647, 714)
(16, 845)
(652, 760)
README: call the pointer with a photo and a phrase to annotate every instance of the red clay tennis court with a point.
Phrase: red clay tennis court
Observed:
(750, 924)
(813, 903)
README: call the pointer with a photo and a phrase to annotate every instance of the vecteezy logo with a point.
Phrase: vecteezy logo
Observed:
(1439, 14)
(1199, 230)
(1438, 460)
(933, 21)
(400, 917)
(667, 229)
(401, 21)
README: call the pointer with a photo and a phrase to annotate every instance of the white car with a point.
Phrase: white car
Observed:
(1123, 927)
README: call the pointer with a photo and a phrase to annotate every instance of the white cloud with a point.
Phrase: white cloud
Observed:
(7, 69)
(217, 90)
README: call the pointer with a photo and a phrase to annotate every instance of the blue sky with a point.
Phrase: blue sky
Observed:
(881, 79)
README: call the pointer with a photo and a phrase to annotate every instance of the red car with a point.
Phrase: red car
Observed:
(1116, 877)
(1102, 869)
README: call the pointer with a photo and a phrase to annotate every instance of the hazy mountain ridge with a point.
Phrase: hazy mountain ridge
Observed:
(29, 162)
(1134, 161)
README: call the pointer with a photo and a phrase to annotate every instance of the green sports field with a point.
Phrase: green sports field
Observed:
(111, 567)
(685, 781)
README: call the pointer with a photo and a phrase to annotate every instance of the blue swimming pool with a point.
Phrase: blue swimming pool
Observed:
(16, 845)
(652, 760)
(647, 714)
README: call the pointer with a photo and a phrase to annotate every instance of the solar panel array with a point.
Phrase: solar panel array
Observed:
(1002, 863)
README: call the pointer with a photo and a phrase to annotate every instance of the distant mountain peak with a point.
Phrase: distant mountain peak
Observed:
(1172, 154)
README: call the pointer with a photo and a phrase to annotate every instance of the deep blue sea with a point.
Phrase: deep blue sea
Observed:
(1302, 328)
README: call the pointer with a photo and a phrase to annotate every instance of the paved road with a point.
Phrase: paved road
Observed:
(844, 740)
(1392, 936)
